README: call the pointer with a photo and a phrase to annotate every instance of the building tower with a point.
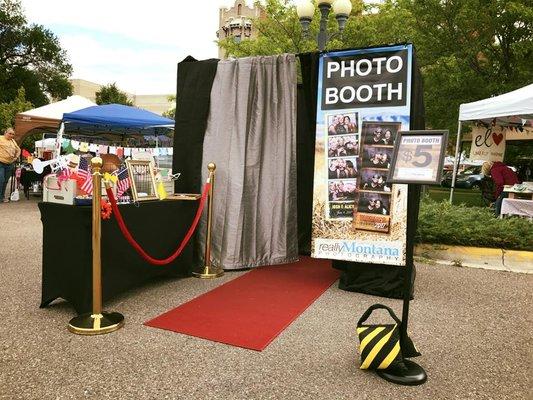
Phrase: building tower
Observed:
(236, 23)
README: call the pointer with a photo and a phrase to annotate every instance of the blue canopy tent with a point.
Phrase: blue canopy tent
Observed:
(113, 121)
(117, 119)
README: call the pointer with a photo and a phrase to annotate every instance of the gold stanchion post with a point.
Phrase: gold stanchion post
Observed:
(97, 322)
(208, 271)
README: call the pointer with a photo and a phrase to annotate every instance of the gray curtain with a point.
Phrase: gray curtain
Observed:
(251, 136)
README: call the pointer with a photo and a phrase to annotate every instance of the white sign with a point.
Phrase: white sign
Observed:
(488, 144)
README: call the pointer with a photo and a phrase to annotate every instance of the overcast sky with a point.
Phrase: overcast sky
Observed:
(135, 44)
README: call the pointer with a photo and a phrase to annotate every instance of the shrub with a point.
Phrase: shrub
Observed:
(441, 222)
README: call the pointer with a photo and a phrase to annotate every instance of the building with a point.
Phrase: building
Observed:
(237, 23)
(157, 103)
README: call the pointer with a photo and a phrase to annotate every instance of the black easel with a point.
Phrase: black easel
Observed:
(415, 374)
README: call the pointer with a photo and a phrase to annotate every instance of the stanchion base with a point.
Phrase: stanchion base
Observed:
(208, 273)
(415, 375)
(96, 324)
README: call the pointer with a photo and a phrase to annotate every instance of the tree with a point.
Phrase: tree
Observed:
(279, 31)
(30, 57)
(467, 49)
(172, 112)
(8, 111)
(110, 94)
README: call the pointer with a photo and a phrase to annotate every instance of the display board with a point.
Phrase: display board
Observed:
(418, 157)
(488, 143)
(364, 99)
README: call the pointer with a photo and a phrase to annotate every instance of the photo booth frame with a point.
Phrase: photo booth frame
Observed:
(141, 173)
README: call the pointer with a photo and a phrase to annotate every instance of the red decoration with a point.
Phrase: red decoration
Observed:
(106, 209)
(497, 137)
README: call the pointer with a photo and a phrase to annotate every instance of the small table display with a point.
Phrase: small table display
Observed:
(158, 226)
(520, 191)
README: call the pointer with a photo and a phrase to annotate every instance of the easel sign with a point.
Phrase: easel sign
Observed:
(418, 157)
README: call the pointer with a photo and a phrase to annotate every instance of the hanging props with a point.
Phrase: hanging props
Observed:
(55, 164)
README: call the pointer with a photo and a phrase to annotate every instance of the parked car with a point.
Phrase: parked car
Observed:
(469, 178)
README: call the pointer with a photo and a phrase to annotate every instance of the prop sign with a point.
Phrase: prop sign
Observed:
(418, 157)
(364, 99)
(488, 144)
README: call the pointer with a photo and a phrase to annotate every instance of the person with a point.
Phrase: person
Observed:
(351, 149)
(340, 129)
(380, 208)
(501, 175)
(350, 169)
(487, 185)
(347, 122)
(333, 165)
(374, 183)
(387, 138)
(335, 121)
(370, 206)
(9, 152)
(376, 138)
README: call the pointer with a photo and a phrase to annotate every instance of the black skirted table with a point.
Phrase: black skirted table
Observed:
(158, 226)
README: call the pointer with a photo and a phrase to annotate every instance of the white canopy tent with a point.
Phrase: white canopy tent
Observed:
(513, 108)
(47, 117)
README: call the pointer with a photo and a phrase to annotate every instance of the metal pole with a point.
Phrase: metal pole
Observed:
(97, 322)
(456, 161)
(323, 33)
(96, 164)
(208, 271)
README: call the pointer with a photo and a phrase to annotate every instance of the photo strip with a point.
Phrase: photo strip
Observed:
(374, 180)
(377, 157)
(342, 168)
(343, 190)
(342, 160)
(380, 133)
(375, 199)
(374, 203)
(343, 146)
(342, 124)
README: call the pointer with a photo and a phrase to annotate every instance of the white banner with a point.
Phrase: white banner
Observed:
(488, 144)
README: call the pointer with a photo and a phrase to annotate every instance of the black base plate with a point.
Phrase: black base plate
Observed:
(415, 375)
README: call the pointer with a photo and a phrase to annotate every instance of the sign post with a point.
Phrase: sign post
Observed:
(417, 159)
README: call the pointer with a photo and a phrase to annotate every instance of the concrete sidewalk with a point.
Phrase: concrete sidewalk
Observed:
(472, 326)
(477, 257)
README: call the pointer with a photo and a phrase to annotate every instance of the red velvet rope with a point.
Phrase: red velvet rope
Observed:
(138, 248)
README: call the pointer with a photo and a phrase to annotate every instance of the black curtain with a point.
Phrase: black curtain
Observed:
(389, 280)
(193, 94)
(305, 156)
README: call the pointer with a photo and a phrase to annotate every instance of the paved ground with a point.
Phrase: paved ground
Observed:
(473, 327)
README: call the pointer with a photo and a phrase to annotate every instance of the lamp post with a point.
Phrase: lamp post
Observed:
(306, 10)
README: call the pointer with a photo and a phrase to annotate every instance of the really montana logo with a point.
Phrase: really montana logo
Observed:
(354, 247)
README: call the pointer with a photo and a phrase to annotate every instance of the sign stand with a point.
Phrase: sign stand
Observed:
(415, 374)
(417, 159)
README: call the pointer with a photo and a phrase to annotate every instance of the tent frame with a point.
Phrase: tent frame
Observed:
(518, 110)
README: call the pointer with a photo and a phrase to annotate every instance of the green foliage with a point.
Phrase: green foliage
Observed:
(441, 222)
(12, 108)
(110, 94)
(30, 57)
(8, 111)
(172, 112)
(467, 49)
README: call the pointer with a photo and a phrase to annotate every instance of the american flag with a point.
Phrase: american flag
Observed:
(123, 181)
(85, 178)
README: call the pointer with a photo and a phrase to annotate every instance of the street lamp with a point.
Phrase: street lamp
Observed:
(306, 10)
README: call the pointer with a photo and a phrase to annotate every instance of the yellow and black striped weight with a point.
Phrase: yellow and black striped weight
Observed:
(380, 346)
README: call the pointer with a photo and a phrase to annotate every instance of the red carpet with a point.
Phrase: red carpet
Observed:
(250, 311)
